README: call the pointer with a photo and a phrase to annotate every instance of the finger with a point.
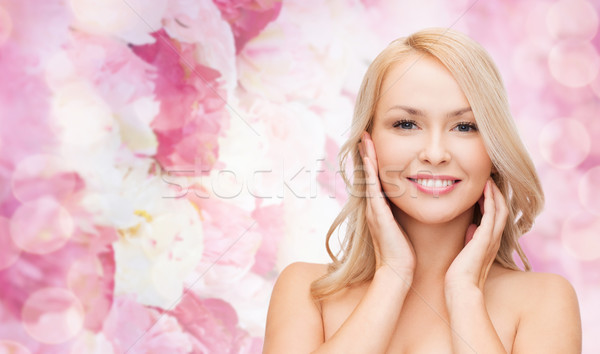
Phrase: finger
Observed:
(369, 178)
(486, 226)
(501, 211)
(369, 194)
(370, 147)
(370, 162)
(377, 203)
(363, 142)
(373, 187)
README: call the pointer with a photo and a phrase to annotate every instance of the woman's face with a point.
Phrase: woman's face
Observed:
(433, 164)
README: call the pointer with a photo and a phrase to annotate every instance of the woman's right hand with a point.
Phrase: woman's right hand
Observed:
(392, 247)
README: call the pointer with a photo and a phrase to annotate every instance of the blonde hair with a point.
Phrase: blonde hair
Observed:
(480, 81)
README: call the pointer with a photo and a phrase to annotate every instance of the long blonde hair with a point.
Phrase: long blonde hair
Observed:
(515, 174)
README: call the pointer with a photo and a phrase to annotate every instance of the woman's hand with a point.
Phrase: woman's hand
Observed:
(473, 263)
(392, 247)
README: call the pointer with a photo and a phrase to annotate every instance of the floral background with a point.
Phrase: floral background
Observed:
(161, 161)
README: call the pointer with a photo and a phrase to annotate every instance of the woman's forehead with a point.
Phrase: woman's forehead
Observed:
(422, 83)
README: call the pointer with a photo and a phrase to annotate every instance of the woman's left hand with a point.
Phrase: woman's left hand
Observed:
(473, 263)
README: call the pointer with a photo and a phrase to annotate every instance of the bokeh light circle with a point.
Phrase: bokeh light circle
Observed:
(579, 236)
(41, 174)
(587, 113)
(52, 315)
(574, 63)
(9, 252)
(83, 276)
(84, 279)
(564, 143)
(589, 191)
(528, 60)
(41, 226)
(595, 86)
(534, 24)
(10, 347)
(573, 19)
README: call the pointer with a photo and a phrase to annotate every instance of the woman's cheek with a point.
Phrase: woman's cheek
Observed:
(390, 182)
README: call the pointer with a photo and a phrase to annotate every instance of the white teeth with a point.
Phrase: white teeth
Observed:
(437, 183)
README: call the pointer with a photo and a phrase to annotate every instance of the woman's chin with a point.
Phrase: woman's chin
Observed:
(427, 214)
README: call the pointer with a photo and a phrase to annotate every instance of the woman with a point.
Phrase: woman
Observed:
(443, 188)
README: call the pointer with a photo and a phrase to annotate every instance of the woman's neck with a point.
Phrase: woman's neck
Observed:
(435, 245)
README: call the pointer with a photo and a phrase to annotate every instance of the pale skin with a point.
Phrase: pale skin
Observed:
(437, 288)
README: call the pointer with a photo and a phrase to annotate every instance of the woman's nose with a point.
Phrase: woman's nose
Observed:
(434, 151)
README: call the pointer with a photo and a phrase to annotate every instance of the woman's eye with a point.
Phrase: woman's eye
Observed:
(466, 127)
(405, 124)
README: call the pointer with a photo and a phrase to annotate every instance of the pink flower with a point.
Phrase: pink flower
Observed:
(43, 175)
(192, 111)
(200, 23)
(248, 17)
(134, 328)
(213, 326)
(24, 127)
(92, 280)
(62, 268)
(118, 74)
(231, 237)
(271, 228)
(121, 89)
(37, 28)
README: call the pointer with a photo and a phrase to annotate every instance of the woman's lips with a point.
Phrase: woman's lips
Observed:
(432, 189)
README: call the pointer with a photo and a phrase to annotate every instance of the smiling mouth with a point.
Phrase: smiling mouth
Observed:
(434, 182)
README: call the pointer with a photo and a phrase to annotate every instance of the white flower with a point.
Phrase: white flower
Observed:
(201, 23)
(289, 60)
(81, 117)
(134, 125)
(282, 159)
(153, 257)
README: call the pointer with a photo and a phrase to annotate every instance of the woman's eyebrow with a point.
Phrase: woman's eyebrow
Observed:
(418, 112)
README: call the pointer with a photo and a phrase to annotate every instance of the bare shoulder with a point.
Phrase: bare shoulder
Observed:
(294, 322)
(533, 287)
(304, 271)
(298, 276)
(514, 277)
(549, 318)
